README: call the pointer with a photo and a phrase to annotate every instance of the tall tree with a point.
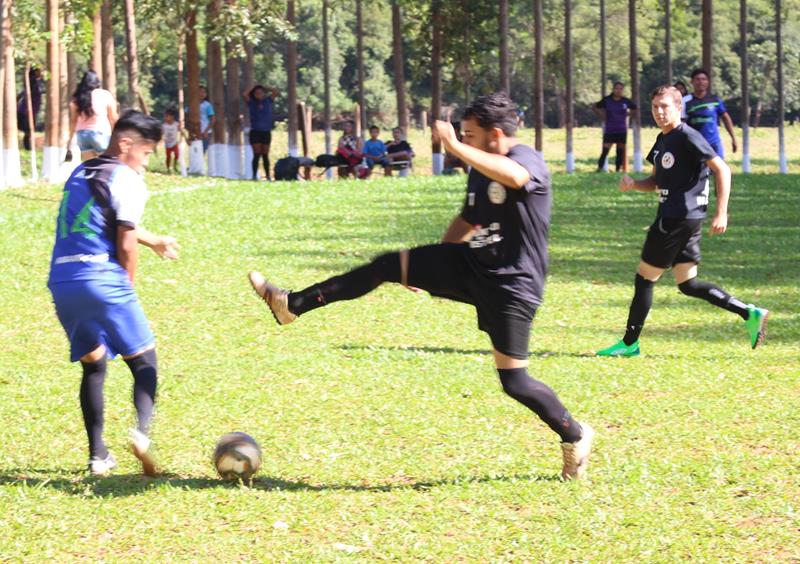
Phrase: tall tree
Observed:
(52, 154)
(291, 73)
(233, 110)
(708, 37)
(745, 86)
(65, 94)
(505, 77)
(109, 60)
(326, 77)
(362, 105)
(217, 152)
(436, 82)
(399, 73)
(569, 94)
(192, 76)
(11, 163)
(97, 43)
(133, 57)
(668, 39)
(603, 48)
(782, 163)
(634, 71)
(538, 74)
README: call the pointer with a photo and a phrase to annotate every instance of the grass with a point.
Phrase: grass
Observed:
(386, 435)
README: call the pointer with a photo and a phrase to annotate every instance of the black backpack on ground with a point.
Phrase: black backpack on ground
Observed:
(287, 168)
(327, 161)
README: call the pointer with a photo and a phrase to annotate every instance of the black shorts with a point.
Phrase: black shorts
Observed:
(672, 241)
(444, 271)
(621, 138)
(258, 137)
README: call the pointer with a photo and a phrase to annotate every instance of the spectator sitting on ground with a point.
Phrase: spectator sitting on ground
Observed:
(398, 151)
(375, 150)
(350, 148)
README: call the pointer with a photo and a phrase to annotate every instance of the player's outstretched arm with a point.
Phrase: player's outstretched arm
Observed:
(164, 246)
(127, 251)
(627, 183)
(497, 167)
(722, 178)
(458, 231)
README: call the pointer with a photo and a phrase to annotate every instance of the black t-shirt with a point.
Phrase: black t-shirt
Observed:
(510, 242)
(681, 172)
(392, 147)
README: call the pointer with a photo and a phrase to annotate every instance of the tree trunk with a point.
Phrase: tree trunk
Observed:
(109, 62)
(291, 72)
(399, 73)
(31, 121)
(216, 85)
(192, 77)
(179, 80)
(11, 162)
(745, 86)
(505, 79)
(52, 153)
(326, 76)
(64, 85)
(538, 74)
(708, 38)
(668, 39)
(568, 94)
(97, 44)
(783, 165)
(634, 70)
(360, 66)
(436, 80)
(603, 48)
(133, 57)
(233, 111)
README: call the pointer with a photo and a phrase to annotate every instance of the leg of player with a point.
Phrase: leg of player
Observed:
(256, 157)
(94, 365)
(602, 160)
(576, 437)
(144, 367)
(265, 156)
(620, 156)
(646, 276)
(755, 318)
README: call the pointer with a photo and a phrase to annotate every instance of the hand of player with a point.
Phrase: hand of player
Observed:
(625, 183)
(719, 224)
(443, 131)
(414, 289)
(734, 146)
(166, 247)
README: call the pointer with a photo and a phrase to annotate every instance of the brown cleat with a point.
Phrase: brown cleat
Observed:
(576, 455)
(276, 298)
(140, 447)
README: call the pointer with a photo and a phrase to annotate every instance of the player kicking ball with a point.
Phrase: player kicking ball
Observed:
(91, 278)
(493, 256)
(682, 162)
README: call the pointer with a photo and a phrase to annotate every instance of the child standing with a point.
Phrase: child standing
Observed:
(172, 136)
(91, 279)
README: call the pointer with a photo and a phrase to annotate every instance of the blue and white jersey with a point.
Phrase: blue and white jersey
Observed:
(100, 195)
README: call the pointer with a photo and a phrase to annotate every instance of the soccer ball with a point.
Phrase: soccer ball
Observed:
(237, 456)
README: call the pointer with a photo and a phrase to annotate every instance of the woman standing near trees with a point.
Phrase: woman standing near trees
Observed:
(259, 104)
(93, 113)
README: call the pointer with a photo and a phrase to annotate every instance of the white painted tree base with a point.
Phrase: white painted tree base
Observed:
(637, 161)
(236, 165)
(197, 161)
(51, 164)
(12, 169)
(783, 164)
(438, 163)
(570, 162)
(218, 160)
(746, 168)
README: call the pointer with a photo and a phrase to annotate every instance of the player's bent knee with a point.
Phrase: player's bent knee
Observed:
(649, 272)
(689, 287)
(94, 356)
(142, 352)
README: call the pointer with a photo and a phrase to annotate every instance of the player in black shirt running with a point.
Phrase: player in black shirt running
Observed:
(493, 256)
(682, 162)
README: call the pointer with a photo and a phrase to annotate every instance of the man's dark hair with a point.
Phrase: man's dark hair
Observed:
(618, 82)
(171, 112)
(695, 72)
(146, 126)
(493, 110)
(371, 127)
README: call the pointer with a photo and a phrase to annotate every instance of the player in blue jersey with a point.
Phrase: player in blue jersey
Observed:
(703, 111)
(682, 162)
(92, 271)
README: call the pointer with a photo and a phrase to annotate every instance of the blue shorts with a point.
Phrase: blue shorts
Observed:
(91, 140)
(101, 312)
(719, 149)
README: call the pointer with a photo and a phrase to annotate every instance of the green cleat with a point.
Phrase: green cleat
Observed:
(756, 324)
(621, 349)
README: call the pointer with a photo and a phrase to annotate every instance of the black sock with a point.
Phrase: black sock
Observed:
(353, 284)
(266, 165)
(145, 380)
(640, 307)
(602, 160)
(713, 294)
(94, 376)
(618, 160)
(255, 165)
(539, 398)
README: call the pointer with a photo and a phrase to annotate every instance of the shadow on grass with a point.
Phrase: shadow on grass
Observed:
(453, 350)
(123, 485)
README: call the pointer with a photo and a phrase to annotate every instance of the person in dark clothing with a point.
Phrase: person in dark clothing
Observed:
(23, 123)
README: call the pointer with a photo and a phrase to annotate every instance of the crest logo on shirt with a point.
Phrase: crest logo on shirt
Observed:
(667, 160)
(497, 193)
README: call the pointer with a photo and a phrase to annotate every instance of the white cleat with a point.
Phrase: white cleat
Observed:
(576, 455)
(140, 447)
(102, 466)
(276, 298)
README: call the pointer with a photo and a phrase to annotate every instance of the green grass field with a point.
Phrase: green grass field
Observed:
(385, 432)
